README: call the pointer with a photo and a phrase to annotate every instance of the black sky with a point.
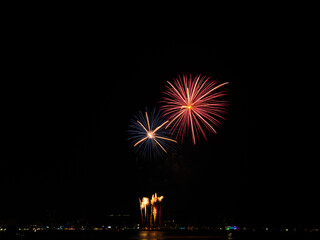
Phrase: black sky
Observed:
(79, 86)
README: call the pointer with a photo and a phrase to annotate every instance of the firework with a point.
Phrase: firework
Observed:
(149, 136)
(143, 208)
(194, 104)
(151, 211)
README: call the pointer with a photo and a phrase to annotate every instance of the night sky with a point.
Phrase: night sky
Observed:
(76, 87)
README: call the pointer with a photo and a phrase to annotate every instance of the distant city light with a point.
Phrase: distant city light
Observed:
(153, 224)
(97, 228)
(231, 228)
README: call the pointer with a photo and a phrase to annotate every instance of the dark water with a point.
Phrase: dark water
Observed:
(138, 235)
(162, 235)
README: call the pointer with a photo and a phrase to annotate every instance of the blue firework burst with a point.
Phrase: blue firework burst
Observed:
(149, 136)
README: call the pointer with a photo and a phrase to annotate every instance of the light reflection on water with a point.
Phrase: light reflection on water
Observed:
(159, 235)
(151, 235)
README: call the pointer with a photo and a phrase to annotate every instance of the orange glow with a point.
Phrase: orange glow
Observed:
(144, 203)
(160, 145)
(154, 214)
(145, 200)
(160, 127)
(148, 121)
(186, 106)
(150, 134)
(139, 142)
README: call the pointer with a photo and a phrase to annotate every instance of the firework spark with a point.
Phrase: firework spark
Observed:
(149, 135)
(151, 211)
(193, 103)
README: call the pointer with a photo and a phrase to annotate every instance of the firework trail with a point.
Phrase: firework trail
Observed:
(143, 207)
(152, 206)
(193, 103)
(149, 136)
